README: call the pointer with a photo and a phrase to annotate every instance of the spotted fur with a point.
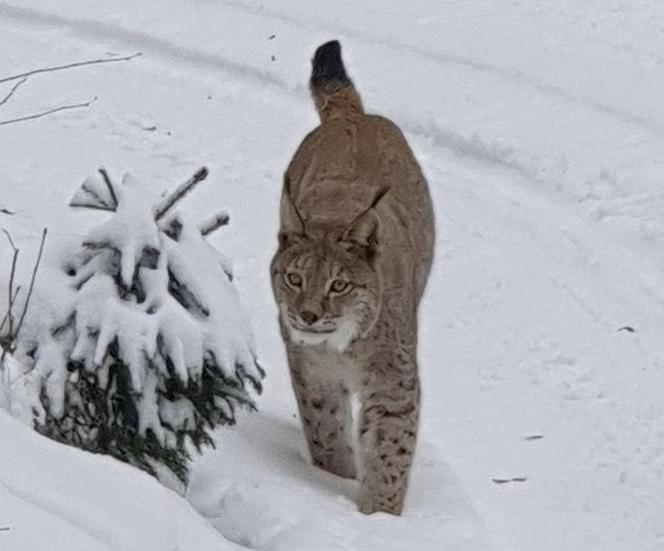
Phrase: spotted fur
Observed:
(355, 250)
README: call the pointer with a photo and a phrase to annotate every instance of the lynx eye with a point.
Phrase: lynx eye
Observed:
(294, 279)
(340, 286)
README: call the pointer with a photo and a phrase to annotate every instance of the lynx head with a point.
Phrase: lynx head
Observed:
(325, 280)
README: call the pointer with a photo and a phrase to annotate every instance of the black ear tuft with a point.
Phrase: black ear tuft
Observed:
(365, 227)
(327, 65)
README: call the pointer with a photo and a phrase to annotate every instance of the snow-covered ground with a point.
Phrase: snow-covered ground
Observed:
(54, 497)
(540, 127)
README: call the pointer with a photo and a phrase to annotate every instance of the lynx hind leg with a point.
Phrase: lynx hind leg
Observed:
(388, 433)
(326, 416)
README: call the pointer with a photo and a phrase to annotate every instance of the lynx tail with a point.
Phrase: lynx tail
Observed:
(333, 92)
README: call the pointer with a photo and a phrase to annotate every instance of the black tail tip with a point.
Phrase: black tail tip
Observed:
(327, 65)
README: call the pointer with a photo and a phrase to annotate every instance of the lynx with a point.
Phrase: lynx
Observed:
(355, 250)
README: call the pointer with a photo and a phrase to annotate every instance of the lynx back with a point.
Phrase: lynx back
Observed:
(355, 249)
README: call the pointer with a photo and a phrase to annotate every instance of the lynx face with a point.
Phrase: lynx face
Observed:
(327, 290)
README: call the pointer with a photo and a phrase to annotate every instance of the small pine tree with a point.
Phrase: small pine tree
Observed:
(151, 349)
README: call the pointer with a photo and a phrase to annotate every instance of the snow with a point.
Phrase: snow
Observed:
(56, 497)
(540, 127)
(180, 308)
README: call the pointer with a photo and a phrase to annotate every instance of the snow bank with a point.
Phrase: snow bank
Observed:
(56, 497)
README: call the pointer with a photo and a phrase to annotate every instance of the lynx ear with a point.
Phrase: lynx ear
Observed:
(363, 230)
(292, 222)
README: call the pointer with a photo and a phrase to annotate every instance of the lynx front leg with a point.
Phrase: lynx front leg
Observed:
(388, 432)
(326, 416)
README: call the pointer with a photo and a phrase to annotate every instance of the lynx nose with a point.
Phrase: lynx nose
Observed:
(309, 317)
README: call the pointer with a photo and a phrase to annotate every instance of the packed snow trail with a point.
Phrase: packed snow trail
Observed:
(541, 351)
(484, 80)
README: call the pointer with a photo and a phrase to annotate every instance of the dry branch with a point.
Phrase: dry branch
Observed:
(9, 237)
(91, 196)
(214, 223)
(8, 341)
(12, 274)
(69, 66)
(32, 283)
(10, 309)
(49, 112)
(12, 91)
(168, 203)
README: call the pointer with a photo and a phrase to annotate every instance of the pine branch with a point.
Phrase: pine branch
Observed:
(214, 223)
(69, 322)
(88, 206)
(69, 66)
(172, 228)
(101, 410)
(170, 201)
(49, 112)
(92, 196)
(109, 185)
(12, 91)
(180, 292)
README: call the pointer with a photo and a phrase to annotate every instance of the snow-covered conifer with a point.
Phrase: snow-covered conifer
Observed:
(149, 348)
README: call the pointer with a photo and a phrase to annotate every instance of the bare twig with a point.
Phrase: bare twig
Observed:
(9, 237)
(10, 309)
(69, 66)
(32, 284)
(11, 92)
(212, 224)
(12, 274)
(180, 192)
(49, 112)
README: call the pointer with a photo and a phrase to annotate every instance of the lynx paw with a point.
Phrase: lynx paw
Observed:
(370, 504)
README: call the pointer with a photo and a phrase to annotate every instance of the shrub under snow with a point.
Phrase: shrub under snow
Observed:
(147, 349)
